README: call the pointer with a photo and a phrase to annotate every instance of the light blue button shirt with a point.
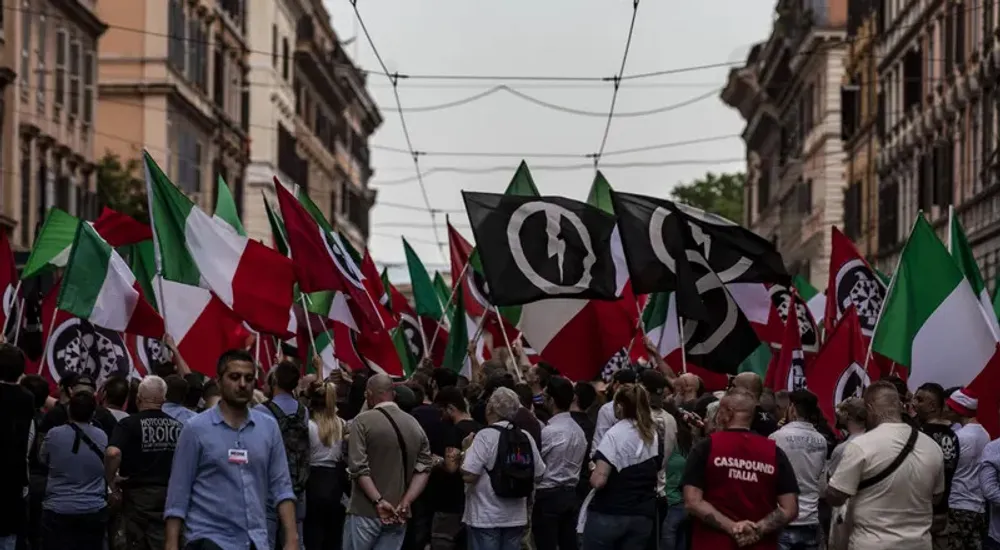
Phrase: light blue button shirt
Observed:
(219, 497)
(179, 413)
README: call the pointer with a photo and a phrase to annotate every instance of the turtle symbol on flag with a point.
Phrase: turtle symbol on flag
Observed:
(782, 300)
(851, 383)
(412, 335)
(617, 362)
(557, 247)
(343, 261)
(857, 285)
(797, 373)
(151, 352)
(78, 346)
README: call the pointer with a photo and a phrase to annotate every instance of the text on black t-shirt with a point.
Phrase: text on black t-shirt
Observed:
(147, 441)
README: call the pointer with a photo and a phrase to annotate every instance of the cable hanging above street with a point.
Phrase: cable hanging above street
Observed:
(617, 84)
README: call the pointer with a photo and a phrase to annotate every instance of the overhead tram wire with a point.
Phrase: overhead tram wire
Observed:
(552, 155)
(617, 84)
(394, 79)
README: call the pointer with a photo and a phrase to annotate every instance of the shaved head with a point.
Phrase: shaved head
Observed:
(882, 400)
(380, 383)
(751, 382)
(736, 409)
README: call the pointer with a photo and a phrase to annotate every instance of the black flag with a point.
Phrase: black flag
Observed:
(533, 248)
(650, 234)
(666, 251)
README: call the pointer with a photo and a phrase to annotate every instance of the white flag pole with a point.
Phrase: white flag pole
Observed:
(510, 350)
(20, 319)
(454, 290)
(680, 333)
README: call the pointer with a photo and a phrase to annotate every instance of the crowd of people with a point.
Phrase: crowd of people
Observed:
(518, 457)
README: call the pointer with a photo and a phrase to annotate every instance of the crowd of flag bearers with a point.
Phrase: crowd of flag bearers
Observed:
(703, 336)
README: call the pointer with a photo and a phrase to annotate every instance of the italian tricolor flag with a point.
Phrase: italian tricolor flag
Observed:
(814, 299)
(931, 321)
(194, 249)
(959, 247)
(99, 286)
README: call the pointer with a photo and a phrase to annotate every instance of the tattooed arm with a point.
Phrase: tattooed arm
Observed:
(696, 505)
(787, 510)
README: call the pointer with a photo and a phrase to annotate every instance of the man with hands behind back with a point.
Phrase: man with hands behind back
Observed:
(739, 487)
(389, 462)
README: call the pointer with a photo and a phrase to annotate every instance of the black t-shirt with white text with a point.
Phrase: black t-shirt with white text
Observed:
(147, 441)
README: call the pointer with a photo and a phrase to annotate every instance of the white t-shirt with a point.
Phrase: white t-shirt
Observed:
(483, 508)
(605, 419)
(806, 451)
(320, 454)
(966, 491)
(895, 513)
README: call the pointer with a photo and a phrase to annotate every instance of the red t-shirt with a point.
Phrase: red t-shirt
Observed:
(741, 474)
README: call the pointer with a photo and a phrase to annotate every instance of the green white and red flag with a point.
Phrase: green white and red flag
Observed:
(251, 279)
(99, 286)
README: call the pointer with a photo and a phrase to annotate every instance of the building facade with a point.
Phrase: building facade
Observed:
(937, 65)
(861, 126)
(789, 93)
(174, 81)
(47, 133)
(311, 120)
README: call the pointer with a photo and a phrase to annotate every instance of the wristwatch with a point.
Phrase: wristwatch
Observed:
(377, 501)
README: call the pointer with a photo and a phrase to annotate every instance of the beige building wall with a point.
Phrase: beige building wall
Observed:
(49, 119)
(272, 103)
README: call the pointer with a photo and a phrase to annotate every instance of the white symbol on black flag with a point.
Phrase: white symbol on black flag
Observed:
(857, 285)
(533, 248)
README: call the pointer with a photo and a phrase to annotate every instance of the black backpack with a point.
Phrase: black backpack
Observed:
(513, 473)
(295, 434)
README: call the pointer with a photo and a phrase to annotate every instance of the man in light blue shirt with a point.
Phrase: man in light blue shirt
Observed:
(230, 460)
(177, 388)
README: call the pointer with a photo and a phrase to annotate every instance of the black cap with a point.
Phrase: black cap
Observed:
(624, 376)
(74, 379)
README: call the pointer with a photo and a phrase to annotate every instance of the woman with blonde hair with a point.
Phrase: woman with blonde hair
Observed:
(622, 511)
(323, 525)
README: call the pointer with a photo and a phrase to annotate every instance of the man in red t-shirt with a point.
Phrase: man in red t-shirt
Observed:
(739, 486)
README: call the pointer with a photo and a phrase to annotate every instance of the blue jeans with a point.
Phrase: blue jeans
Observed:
(365, 533)
(799, 537)
(607, 532)
(8, 542)
(672, 533)
(495, 538)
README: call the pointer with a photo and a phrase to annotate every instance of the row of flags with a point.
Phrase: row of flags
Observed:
(577, 284)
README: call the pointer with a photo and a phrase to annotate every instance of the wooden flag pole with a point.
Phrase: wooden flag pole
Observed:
(680, 333)
(445, 306)
(45, 344)
(326, 330)
(20, 319)
(510, 350)
(478, 334)
(256, 348)
(312, 337)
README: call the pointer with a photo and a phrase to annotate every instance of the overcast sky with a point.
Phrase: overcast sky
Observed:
(543, 38)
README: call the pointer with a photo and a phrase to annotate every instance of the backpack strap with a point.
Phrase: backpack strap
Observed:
(276, 410)
(82, 436)
(401, 441)
(894, 465)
